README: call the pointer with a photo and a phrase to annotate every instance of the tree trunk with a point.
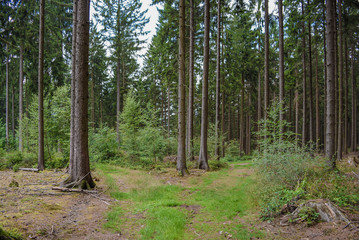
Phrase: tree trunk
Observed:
(223, 118)
(266, 60)
(7, 98)
(118, 101)
(218, 78)
(21, 81)
(13, 111)
(330, 115)
(311, 121)
(73, 81)
(340, 86)
(317, 113)
(181, 147)
(80, 175)
(191, 84)
(346, 100)
(248, 139)
(168, 109)
(304, 83)
(92, 102)
(41, 159)
(281, 60)
(354, 103)
(296, 102)
(259, 100)
(203, 154)
(242, 122)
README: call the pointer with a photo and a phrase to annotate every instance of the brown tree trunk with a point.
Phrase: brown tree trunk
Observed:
(340, 87)
(13, 111)
(7, 98)
(80, 175)
(304, 83)
(41, 159)
(281, 60)
(92, 102)
(266, 60)
(218, 78)
(181, 147)
(21, 81)
(330, 115)
(242, 122)
(354, 103)
(346, 99)
(118, 101)
(191, 84)
(259, 100)
(73, 81)
(317, 113)
(223, 119)
(296, 102)
(311, 121)
(203, 153)
(168, 109)
(248, 127)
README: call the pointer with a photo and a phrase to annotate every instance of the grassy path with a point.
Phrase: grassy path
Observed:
(151, 205)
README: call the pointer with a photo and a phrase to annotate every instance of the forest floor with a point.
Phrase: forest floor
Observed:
(137, 204)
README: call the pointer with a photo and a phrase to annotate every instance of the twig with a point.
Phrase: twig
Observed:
(64, 189)
(29, 169)
(99, 198)
(355, 174)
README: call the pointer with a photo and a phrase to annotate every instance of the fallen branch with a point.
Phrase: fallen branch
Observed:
(29, 169)
(63, 189)
(355, 174)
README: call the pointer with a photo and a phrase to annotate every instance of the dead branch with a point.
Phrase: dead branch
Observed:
(29, 169)
(63, 189)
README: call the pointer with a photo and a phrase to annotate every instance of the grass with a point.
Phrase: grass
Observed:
(219, 197)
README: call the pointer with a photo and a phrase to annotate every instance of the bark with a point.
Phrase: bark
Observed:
(242, 122)
(248, 127)
(218, 79)
(330, 114)
(118, 101)
(281, 60)
(80, 175)
(203, 154)
(13, 111)
(311, 120)
(317, 113)
(41, 159)
(7, 98)
(296, 102)
(191, 84)
(92, 102)
(340, 86)
(73, 81)
(223, 119)
(168, 109)
(354, 104)
(325, 79)
(259, 100)
(181, 147)
(21, 81)
(304, 83)
(266, 60)
(346, 102)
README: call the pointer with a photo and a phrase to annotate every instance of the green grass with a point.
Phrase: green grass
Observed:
(218, 195)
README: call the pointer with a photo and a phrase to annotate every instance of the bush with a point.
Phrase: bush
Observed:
(103, 146)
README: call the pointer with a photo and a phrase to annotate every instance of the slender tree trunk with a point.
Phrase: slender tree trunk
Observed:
(191, 84)
(118, 101)
(281, 60)
(168, 109)
(296, 102)
(73, 81)
(7, 98)
(346, 101)
(92, 102)
(259, 100)
(80, 175)
(354, 103)
(229, 127)
(266, 60)
(13, 111)
(336, 78)
(21, 81)
(317, 110)
(203, 157)
(218, 78)
(242, 122)
(311, 115)
(223, 118)
(340, 87)
(181, 148)
(248, 139)
(304, 84)
(41, 159)
(325, 79)
(330, 130)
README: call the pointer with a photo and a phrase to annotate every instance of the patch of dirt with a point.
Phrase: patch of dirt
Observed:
(38, 212)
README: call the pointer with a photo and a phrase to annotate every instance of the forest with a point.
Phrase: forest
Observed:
(235, 120)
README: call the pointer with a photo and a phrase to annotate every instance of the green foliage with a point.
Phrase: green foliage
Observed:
(216, 165)
(9, 235)
(309, 215)
(282, 165)
(103, 146)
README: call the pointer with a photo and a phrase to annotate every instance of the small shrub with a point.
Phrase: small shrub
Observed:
(216, 165)
(309, 215)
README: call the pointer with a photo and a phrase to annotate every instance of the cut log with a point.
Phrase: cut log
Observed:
(29, 169)
(63, 189)
(327, 210)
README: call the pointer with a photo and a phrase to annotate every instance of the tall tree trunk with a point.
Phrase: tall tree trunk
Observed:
(266, 60)
(346, 101)
(281, 61)
(41, 158)
(259, 99)
(13, 111)
(340, 87)
(21, 92)
(92, 102)
(354, 103)
(304, 83)
(203, 154)
(73, 81)
(248, 127)
(7, 98)
(242, 122)
(181, 147)
(330, 129)
(80, 175)
(317, 113)
(168, 109)
(223, 118)
(191, 84)
(325, 79)
(118, 101)
(311, 121)
(296, 102)
(218, 78)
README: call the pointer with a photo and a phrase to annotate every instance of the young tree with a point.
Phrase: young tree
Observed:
(41, 158)
(80, 175)
(203, 153)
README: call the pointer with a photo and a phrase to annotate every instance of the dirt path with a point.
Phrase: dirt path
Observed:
(37, 212)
